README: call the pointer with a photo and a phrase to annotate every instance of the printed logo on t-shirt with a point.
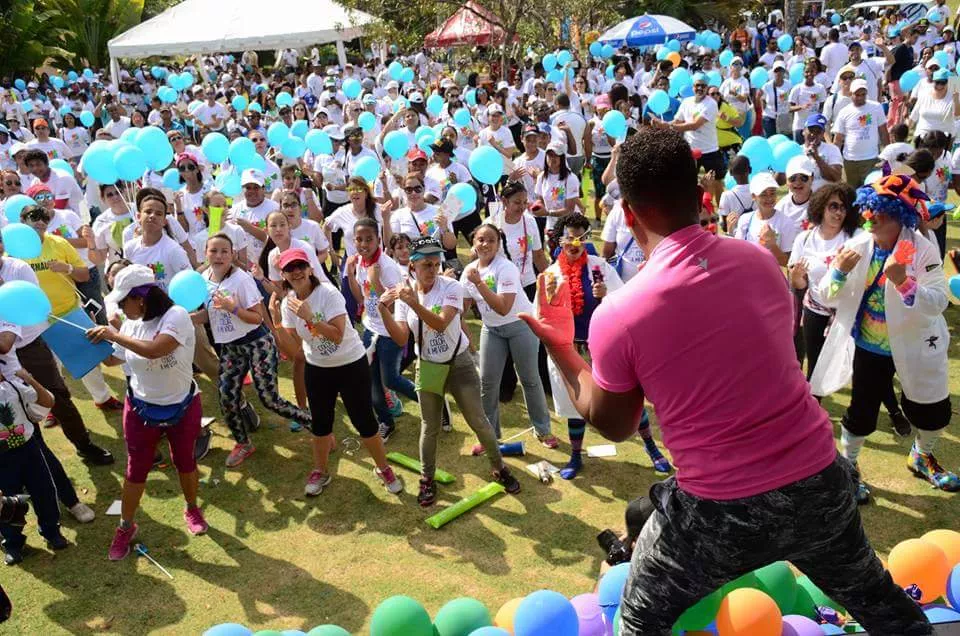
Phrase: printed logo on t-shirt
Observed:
(491, 282)
(63, 231)
(435, 309)
(53, 154)
(159, 271)
(559, 192)
(427, 228)
(865, 119)
(321, 345)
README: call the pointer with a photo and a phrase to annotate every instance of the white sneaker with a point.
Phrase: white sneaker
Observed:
(82, 512)
(316, 482)
(390, 479)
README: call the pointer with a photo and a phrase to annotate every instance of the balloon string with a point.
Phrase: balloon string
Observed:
(67, 322)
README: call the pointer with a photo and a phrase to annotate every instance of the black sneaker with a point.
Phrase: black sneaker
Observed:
(386, 430)
(445, 424)
(93, 454)
(58, 542)
(202, 446)
(428, 493)
(505, 477)
(901, 425)
(250, 417)
(13, 556)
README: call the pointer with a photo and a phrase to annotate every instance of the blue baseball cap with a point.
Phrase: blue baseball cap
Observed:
(816, 120)
(943, 75)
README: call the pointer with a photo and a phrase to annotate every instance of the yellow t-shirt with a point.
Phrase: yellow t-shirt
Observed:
(59, 288)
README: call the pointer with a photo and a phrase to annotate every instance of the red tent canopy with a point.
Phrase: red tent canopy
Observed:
(471, 25)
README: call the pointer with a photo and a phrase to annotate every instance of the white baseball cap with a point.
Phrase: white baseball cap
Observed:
(17, 148)
(761, 183)
(858, 84)
(126, 279)
(251, 176)
(557, 148)
(799, 165)
(494, 109)
(779, 64)
(416, 98)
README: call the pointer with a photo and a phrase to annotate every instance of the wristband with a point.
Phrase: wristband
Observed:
(236, 310)
(70, 271)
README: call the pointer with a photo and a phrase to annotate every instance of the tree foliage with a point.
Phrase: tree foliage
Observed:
(87, 26)
(30, 36)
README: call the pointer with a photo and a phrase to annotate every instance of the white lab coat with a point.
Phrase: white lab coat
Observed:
(918, 334)
(562, 404)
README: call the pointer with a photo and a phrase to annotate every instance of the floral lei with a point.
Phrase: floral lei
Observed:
(572, 274)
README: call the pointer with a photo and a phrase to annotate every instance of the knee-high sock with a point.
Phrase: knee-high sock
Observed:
(577, 429)
(926, 441)
(851, 444)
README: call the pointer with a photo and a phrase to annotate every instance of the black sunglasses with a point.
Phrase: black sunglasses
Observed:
(12, 183)
(188, 167)
(295, 266)
(38, 215)
(176, 138)
(706, 222)
(413, 189)
(802, 178)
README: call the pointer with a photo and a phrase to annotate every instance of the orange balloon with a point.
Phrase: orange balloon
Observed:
(948, 541)
(749, 612)
(674, 57)
(504, 617)
(921, 563)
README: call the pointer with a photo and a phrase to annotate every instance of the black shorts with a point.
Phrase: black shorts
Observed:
(713, 161)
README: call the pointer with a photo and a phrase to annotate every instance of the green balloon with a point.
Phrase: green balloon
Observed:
(747, 580)
(328, 630)
(400, 616)
(810, 597)
(779, 584)
(461, 616)
(701, 614)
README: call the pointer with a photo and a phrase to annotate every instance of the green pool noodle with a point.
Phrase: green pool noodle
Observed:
(409, 462)
(449, 514)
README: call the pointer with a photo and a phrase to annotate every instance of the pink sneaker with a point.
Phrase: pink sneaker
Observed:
(549, 440)
(239, 453)
(390, 480)
(196, 524)
(120, 547)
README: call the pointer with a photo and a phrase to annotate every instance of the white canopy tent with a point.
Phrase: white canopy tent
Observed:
(214, 26)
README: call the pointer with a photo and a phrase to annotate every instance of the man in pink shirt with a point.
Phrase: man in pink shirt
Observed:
(705, 331)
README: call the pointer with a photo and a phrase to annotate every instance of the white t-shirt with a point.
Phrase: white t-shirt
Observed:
(502, 277)
(417, 224)
(832, 107)
(205, 114)
(165, 380)
(311, 232)
(522, 240)
(577, 125)
(555, 192)
(834, 55)
(703, 138)
(16, 394)
(164, 257)
(256, 215)
(343, 219)
(731, 88)
(176, 230)
(831, 156)
(117, 128)
(534, 167)
(749, 227)
(193, 209)
(818, 252)
(930, 113)
(67, 224)
(860, 127)
(445, 178)
(273, 272)
(615, 230)
(326, 303)
(793, 211)
(240, 286)
(735, 201)
(810, 99)
(390, 276)
(776, 99)
(332, 170)
(436, 346)
(53, 147)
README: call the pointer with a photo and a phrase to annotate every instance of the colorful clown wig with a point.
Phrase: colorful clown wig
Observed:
(898, 196)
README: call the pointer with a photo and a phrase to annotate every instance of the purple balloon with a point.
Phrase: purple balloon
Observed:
(589, 614)
(795, 625)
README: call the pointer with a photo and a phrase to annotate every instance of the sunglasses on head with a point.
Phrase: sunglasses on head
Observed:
(413, 189)
(43, 197)
(295, 266)
(38, 215)
(802, 178)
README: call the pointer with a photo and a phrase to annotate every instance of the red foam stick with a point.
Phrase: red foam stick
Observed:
(903, 253)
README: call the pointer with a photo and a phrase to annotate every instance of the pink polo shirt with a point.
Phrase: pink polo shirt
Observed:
(705, 328)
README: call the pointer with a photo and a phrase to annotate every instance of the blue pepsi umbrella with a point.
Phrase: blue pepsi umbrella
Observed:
(648, 30)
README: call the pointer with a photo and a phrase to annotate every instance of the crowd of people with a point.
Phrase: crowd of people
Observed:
(350, 281)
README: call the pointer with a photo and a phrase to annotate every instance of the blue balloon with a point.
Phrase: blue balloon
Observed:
(776, 140)
(277, 133)
(63, 166)
(564, 57)
(944, 59)
(758, 77)
(319, 142)
(662, 53)
(607, 50)
(434, 104)
(758, 151)
(545, 612)
(97, 162)
(351, 88)
(26, 105)
(471, 96)
(366, 168)
(835, 19)
(21, 241)
(130, 135)
(555, 76)
(158, 72)
(785, 42)
(729, 183)
(461, 117)
(400, 104)
(726, 58)
(909, 80)
(614, 124)
(686, 91)
(239, 103)
(673, 45)
(300, 128)
(596, 49)
(783, 153)
(57, 82)
(65, 110)
(396, 70)
(241, 151)
(714, 78)
(609, 72)
(284, 99)
(424, 131)
(466, 197)
(293, 148)
(680, 77)
(396, 144)
(934, 16)
(228, 183)
(407, 75)
(549, 62)
(130, 163)
(215, 147)
(953, 582)
(171, 179)
(188, 288)
(186, 80)
(659, 102)
(367, 121)
(955, 290)
(829, 629)
(72, 76)
(256, 107)
(486, 165)
(19, 84)
(88, 73)
(610, 590)
(86, 118)
(228, 629)
(714, 41)
(151, 140)
(796, 73)
(424, 142)
(23, 303)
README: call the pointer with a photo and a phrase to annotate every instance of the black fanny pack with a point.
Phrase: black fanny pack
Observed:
(161, 415)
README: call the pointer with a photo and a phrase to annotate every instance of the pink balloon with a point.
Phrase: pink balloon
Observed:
(589, 614)
(796, 625)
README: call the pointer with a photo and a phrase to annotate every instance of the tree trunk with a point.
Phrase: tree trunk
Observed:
(791, 14)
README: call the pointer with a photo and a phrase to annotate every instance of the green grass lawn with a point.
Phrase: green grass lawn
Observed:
(275, 559)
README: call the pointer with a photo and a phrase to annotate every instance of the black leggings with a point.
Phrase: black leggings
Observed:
(872, 381)
(352, 383)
